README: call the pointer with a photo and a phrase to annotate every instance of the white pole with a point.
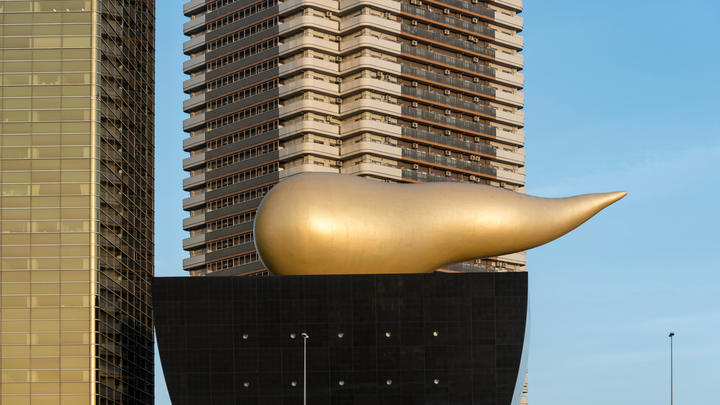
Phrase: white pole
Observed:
(305, 337)
(671, 367)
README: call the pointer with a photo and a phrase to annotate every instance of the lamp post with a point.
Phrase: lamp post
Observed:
(671, 366)
(305, 337)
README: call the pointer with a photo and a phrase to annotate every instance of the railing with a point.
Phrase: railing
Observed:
(448, 40)
(422, 176)
(448, 100)
(471, 268)
(448, 60)
(441, 119)
(448, 161)
(449, 80)
(449, 140)
(446, 19)
(474, 8)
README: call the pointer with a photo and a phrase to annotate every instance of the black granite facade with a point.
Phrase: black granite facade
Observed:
(374, 339)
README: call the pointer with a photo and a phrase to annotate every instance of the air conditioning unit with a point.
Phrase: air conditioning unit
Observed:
(338, 38)
(414, 83)
(476, 99)
(414, 145)
(476, 139)
(475, 20)
(472, 38)
(447, 92)
(338, 142)
(473, 178)
(448, 173)
(338, 59)
(414, 125)
(473, 158)
(446, 11)
(415, 166)
(476, 119)
(476, 59)
(413, 22)
(476, 79)
(414, 104)
(338, 101)
(339, 163)
(448, 112)
(448, 132)
(328, 13)
(448, 153)
(447, 72)
(416, 2)
(446, 32)
(413, 42)
(338, 80)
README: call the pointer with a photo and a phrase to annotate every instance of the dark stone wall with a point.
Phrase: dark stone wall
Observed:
(374, 339)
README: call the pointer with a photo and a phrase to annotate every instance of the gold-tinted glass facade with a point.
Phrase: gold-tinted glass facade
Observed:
(75, 202)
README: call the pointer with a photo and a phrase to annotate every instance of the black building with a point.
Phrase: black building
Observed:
(374, 339)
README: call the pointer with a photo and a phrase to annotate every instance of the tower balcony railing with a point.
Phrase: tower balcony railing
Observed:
(449, 100)
(446, 60)
(307, 21)
(441, 119)
(418, 175)
(387, 64)
(368, 19)
(368, 82)
(472, 7)
(391, 5)
(308, 62)
(447, 161)
(449, 141)
(449, 40)
(446, 19)
(449, 80)
(308, 41)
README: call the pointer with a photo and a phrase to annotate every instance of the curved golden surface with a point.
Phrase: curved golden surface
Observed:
(323, 223)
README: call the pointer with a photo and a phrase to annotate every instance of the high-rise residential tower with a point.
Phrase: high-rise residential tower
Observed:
(76, 203)
(398, 91)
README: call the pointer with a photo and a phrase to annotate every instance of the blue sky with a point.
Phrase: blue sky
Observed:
(619, 95)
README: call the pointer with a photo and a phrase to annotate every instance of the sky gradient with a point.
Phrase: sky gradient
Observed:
(620, 95)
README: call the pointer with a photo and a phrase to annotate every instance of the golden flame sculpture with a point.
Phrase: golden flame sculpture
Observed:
(324, 223)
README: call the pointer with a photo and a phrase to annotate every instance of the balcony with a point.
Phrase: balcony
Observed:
(309, 126)
(374, 169)
(194, 25)
(194, 122)
(352, 44)
(320, 107)
(515, 98)
(517, 158)
(309, 148)
(195, 63)
(512, 21)
(448, 20)
(376, 106)
(195, 44)
(304, 63)
(516, 79)
(193, 7)
(306, 84)
(307, 168)
(193, 262)
(517, 258)
(370, 62)
(450, 41)
(289, 5)
(514, 59)
(194, 161)
(443, 100)
(308, 21)
(448, 162)
(448, 61)
(516, 5)
(450, 81)
(194, 83)
(445, 120)
(511, 117)
(308, 41)
(513, 41)
(471, 7)
(194, 241)
(194, 102)
(378, 127)
(370, 83)
(368, 146)
(516, 137)
(194, 201)
(449, 141)
(511, 176)
(417, 175)
(193, 222)
(371, 20)
(193, 181)
(193, 142)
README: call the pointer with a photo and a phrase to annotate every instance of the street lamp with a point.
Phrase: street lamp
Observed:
(671, 366)
(305, 337)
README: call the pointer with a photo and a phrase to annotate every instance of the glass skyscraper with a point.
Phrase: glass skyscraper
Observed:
(76, 203)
